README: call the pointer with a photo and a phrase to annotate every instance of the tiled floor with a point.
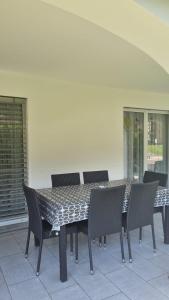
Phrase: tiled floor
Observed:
(145, 279)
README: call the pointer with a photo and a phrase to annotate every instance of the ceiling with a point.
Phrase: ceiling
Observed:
(40, 39)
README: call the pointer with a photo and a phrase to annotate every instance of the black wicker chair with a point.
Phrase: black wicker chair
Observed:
(141, 209)
(95, 176)
(92, 177)
(150, 176)
(39, 227)
(65, 180)
(105, 216)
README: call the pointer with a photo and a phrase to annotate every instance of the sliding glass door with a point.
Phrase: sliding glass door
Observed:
(134, 144)
(157, 146)
(145, 143)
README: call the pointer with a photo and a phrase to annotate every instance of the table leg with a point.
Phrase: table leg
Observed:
(36, 242)
(166, 226)
(63, 254)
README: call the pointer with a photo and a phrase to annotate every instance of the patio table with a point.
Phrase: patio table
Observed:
(68, 204)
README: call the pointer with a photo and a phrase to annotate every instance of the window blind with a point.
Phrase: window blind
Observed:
(13, 157)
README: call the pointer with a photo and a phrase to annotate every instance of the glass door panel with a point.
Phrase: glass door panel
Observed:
(157, 143)
(134, 144)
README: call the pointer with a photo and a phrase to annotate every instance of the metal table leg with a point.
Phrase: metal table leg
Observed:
(63, 254)
(36, 242)
(166, 226)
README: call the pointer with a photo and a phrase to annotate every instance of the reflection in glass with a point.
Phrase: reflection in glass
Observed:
(157, 142)
(134, 144)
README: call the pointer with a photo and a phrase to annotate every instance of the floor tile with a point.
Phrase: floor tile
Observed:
(72, 293)
(8, 246)
(125, 278)
(51, 280)
(2, 280)
(144, 250)
(29, 290)
(96, 286)
(161, 261)
(47, 259)
(146, 292)
(161, 247)
(21, 236)
(161, 283)
(133, 286)
(145, 269)
(4, 293)
(118, 297)
(145, 279)
(146, 235)
(83, 253)
(16, 268)
(105, 262)
(53, 249)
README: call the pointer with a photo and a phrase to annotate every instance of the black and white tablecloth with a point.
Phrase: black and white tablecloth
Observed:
(63, 205)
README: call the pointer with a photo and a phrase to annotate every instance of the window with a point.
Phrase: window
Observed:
(145, 142)
(13, 157)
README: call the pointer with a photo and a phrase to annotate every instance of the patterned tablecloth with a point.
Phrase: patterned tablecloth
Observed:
(63, 205)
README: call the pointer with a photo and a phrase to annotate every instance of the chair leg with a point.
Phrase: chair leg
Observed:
(39, 258)
(36, 242)
(163, 220)
(90, 256)
(100, 241)
(76, 247)
(129, 247)
(125, 230)
(71, 243)
(27, 243)
(105, 240)
(122, 247)
(153, 236)
(140, 234)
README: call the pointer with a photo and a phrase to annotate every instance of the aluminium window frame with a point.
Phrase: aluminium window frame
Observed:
(145, 111)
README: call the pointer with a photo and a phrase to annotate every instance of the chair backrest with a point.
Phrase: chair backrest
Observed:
(150, 176)
(65, 179)
(35, 221)
(141, 204)
(105, 211)
(95, 176)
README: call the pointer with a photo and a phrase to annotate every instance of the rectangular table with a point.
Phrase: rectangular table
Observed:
(68, 204)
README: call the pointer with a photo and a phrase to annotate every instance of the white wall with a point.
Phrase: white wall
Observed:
(74, 127)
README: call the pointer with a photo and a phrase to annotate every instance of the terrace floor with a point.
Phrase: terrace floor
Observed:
(146, 278)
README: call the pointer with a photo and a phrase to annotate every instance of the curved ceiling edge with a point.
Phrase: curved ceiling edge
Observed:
(156, 49)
